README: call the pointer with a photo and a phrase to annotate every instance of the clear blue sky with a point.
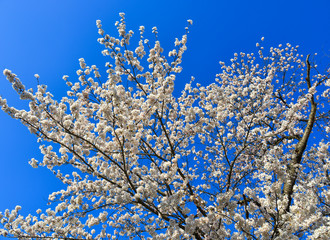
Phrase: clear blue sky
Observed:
(48, 37)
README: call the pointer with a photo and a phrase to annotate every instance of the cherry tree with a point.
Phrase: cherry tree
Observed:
(246, 157)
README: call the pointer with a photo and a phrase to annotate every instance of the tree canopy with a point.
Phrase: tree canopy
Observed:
(246, 157)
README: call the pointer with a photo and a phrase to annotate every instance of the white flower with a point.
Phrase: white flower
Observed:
(33, 163)
(6, 72)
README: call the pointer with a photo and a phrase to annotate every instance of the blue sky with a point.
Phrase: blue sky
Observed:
(48, 37)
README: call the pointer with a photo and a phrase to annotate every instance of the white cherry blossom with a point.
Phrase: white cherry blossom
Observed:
(232, 160)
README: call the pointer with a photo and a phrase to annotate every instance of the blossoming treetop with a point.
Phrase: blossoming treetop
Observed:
(232, 160)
